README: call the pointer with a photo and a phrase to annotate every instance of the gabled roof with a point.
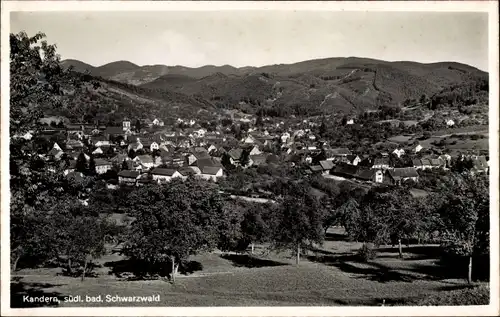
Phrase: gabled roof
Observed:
(186, 171)
(55, 152)
(201, 154)
(101, 162)
(119, 158)
(417, 162)
(365, 173)
(163, 171)
(114, 130)
(346, 169)
(210, 170)
(209, 161)
(403, 172)
(316, 168)
(235, 153)
(258, 159)
(338, 151)
(129, 174)
(326, 165)
(75, 176)
(145, 159)
(381, 161)
(426, 162)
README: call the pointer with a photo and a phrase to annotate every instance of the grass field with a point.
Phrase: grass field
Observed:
(330, 276)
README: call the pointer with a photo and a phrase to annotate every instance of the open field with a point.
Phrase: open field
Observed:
(330, 276)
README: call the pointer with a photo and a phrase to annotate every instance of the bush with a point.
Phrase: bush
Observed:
(474, 295)
(367, 252)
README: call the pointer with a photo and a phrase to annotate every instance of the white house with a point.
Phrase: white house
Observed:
(102, 166)
(211, 173)
(158, 122)
(450, 123)
(351, 121)
(285, 137)
(126, 124)
(379, 176)
(398, 152)
(418, 148)
(102, 143)
(98, 151)
(57, 147)
(163, 175)
(145, 160)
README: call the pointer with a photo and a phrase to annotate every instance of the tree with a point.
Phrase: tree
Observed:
(173, 222)
(245, 158)
(92, 169)
(259, 122)
(81, 163)
(138, 126)
(124, 165)
(464, 216)
(298, 220)
(254, 226)
(131, 154)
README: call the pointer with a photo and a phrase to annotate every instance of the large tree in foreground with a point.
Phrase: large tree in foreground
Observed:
(173, 222)
(464, 216)
(298, 222)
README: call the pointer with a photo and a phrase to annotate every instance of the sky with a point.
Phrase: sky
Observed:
(257, 38)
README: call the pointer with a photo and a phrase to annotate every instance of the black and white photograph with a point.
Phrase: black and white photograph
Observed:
(216, 155)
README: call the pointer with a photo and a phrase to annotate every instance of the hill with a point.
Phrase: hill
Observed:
(340, 85)
(110, 101)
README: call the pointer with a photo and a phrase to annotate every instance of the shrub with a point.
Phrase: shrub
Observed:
(367, 252)
(475, 295)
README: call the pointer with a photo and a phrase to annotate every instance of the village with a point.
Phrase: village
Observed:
(147, 151)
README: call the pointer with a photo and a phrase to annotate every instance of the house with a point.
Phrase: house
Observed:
(55, 154)
(112, 132)
(417, 163)
(159, 123)
(426, 163)
(327, 166)
(399, 175)
(126, 125)
(418, 148)
(164, 175)
(128, 177)
(211, 173)
(381, 163)
(70, 168)
(102, 166)
(100, 141)
(147, 144)
(345, 170)
(480, 164)
(437, 163)
(450, 123)
(378, 176)
(258, 159)
(316, 169)
(135, 146)
(191, 158)
(119, 158)
(145, 160)
(350, 121)
(398, 152)
(74, 144)
(252, 149)
(57, 147)
(335, 153)
(187, 171)
(353, 159)
(98, 151)
(235, 155)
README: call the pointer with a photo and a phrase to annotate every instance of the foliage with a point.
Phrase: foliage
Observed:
(298, 220)
(478, 295)
(173, 222)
